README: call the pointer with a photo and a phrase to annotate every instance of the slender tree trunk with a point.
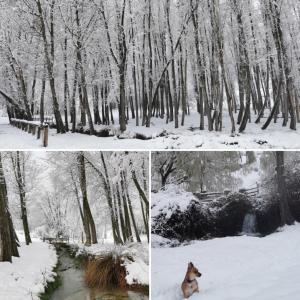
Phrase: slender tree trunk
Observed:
(8, 239)
(73, 99)
(90, 228)
(49, 63)
(285, 213)
(66, 84)
(83, 82)
(42, 100)
(20, 180)
(131, 210)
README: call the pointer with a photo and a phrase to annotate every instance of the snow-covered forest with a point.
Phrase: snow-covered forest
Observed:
(73, 224)
(228, 213)
(154, 69)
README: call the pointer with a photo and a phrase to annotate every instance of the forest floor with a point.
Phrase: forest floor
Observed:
(233, 268)
(28, 275)
(162, 136)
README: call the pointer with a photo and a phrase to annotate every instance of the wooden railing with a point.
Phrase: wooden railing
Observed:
(47, 119)
(206, 197)
(34, 128)
(253, 192)
(56, 240)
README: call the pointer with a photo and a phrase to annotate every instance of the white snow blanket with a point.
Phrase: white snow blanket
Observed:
(26, 277)
(184, 137)
(233, 268)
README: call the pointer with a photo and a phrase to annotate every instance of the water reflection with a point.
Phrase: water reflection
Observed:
(88, 294)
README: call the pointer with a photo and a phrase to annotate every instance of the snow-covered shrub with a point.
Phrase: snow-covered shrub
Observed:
(177, 214)
(161, 242)
(130, 259)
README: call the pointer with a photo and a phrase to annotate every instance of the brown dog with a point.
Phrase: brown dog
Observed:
(190, 285)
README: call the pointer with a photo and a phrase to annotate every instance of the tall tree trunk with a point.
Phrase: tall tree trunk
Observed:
(8, 239)
(73, 99)
(150, 84)
(42, 100)
(83, 82)
(50, 61)
(66, 84)
(131, 210)
(285, 213)
(20, 180)
(89, 226)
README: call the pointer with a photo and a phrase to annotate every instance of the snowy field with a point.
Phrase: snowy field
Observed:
(186, 137)
(233, 268)
(26, 277)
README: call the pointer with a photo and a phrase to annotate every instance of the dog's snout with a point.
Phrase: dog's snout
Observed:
(199, 274)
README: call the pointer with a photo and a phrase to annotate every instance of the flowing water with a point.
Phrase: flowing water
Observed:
(73, 287)
(249, 224)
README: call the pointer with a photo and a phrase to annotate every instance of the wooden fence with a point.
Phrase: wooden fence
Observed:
(251, 192)
(38, 130)
(206, 197)
(47, 119)
(56, 240)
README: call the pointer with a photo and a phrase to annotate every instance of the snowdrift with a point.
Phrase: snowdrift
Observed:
(28, 275)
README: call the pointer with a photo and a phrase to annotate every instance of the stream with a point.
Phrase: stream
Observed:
(73, 288)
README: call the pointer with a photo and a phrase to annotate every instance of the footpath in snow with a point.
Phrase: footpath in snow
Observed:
(186, 137)
(26, 277)
(233, 268)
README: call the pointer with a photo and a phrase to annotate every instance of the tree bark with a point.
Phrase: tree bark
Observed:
(89, 224)
(285, 213)
(20, 180)
(8, 238)
(49, 63)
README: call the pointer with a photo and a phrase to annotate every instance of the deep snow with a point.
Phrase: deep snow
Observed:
(233, 268)
(26, 277)
(186, 137)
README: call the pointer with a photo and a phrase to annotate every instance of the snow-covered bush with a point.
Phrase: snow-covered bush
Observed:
(177, 214)
(130, 261)
(181, 215)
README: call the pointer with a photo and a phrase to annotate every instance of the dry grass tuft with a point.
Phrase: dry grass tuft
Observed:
(105, 272)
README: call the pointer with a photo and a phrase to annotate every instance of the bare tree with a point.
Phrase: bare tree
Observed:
(18, 164)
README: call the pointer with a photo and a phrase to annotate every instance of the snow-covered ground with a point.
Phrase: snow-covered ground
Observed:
(233, 268)
(275, 137)
(26, 277)
(137, 270)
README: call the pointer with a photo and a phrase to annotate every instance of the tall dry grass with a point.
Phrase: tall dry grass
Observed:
(105, 272)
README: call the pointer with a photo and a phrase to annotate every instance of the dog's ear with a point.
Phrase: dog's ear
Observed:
(191, 265)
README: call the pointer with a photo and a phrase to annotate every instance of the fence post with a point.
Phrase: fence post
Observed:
(46, 132)
(39, 132)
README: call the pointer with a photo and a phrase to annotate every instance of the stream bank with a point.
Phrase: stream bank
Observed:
(71, 286)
